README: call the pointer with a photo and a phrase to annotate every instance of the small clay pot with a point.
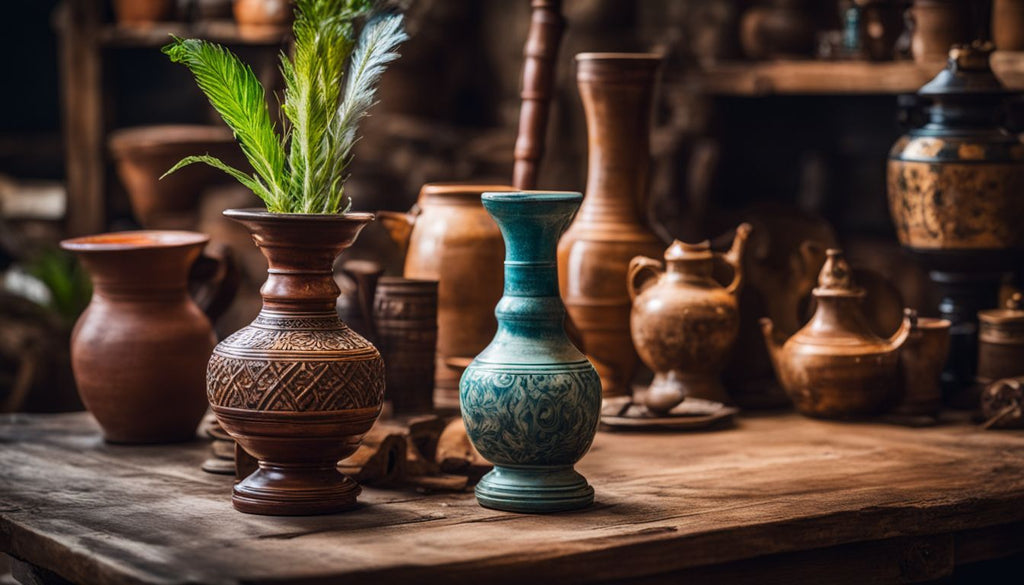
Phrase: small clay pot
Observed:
(405, 323)
(1008, 25)
(136, 12)
(139, 350)
(1001, 342)
(780, 30)
(145, 153)
(938, 25)
(263, 14)
(921, 361)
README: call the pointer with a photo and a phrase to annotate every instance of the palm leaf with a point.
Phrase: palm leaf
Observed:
(238, 97)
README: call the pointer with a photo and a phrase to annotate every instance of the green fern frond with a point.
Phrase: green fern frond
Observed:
(322, 122)
(238, 97)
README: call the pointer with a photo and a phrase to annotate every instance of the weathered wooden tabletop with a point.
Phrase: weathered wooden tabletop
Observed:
(775, 498)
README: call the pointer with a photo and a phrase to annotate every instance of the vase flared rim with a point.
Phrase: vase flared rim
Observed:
(135, 240)
(611, 56)
(262, 215)
(532, 196)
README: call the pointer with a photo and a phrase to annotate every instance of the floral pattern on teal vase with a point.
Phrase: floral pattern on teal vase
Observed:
(531, 400)
(546, 419)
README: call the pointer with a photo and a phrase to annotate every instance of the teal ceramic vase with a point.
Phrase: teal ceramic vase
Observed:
(531, 400)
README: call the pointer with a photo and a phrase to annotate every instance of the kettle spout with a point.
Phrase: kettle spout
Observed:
(900, 337)
(772, 341)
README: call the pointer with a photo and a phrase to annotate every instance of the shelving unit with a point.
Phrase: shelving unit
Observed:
(85, 42)
(834, 77)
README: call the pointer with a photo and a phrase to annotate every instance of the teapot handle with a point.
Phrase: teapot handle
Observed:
(399, 225)
(641, 270)
(735, 257)
(214, 279)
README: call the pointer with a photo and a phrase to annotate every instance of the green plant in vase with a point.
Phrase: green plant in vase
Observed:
(297, 388)
(303, 169)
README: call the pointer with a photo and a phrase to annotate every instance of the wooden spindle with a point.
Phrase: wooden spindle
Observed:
(541, 54)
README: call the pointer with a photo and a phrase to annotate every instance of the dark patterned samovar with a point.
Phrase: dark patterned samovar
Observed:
(956, 194)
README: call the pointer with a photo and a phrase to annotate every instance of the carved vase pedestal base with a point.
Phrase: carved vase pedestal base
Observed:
(534, 490)
(289, 484)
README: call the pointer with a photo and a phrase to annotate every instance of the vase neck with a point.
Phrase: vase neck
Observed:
(300, 252)
(618, 99)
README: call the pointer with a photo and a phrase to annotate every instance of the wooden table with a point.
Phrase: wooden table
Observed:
(776, 499)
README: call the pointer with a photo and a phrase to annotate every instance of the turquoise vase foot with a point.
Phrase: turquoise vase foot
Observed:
(534, 490)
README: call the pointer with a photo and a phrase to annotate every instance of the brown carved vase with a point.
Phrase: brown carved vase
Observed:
(450, 238)
(139, 350)
(835, 366)
(683, 321)
(297, 388)
(610, 229)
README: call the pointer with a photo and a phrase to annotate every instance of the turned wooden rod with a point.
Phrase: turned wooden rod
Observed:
(540, 57)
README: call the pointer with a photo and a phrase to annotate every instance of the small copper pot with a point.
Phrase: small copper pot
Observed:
(1001, 342)
(921, 362)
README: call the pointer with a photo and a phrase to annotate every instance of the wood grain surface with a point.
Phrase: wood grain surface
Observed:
(777, 499)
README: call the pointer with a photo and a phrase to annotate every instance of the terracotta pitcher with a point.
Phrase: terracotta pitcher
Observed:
(139, 350)
(683, 321)
(610, 229)
(835, 366)
(449, 237)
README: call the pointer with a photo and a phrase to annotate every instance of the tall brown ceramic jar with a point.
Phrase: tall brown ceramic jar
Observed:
(610, 229)
(1008, 24)
(450, 238)
(297, 388)
(139, 350)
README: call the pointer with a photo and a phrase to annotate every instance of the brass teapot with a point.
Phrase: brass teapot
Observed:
(683, 322)
(835, 366)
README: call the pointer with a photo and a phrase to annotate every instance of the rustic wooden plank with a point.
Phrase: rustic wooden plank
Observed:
(814, 77)
(774, 485)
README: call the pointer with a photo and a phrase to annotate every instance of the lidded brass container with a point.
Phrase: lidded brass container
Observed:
(956, 195)
(1001, 342)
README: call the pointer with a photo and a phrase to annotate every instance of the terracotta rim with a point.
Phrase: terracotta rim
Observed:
(261, 214)
(127, 139)
(597, 56)
(136, 240)
(933, 323)
(516, 196)
(1001, 316)
(455, 188)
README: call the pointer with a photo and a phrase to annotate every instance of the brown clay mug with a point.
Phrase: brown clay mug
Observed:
(921, 361)
(139, 350)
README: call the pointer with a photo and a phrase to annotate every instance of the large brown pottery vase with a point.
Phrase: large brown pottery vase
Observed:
(1008, 25)
(835, 366)
(143, 154)
(955, 195)
(143, 12)
(450, 238)
(139, 350)
(297, 388)
(683, 321)
(610, 229)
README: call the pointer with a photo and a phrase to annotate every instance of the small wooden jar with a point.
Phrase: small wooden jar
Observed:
(1001, 342)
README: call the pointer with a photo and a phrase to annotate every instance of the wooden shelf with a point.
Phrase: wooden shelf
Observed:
(219, 31)
(813, 78)
(835, 77)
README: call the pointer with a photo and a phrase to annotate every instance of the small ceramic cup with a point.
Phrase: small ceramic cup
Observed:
(921, 361)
